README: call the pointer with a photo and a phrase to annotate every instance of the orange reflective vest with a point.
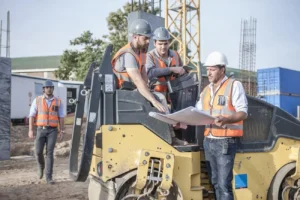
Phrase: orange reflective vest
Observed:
(123, 76)
(47, 116)
(223, 94)
(175, 61)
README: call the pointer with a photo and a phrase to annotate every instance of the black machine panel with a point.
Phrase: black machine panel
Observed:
(264, 125)
(133, 108)
(184, 93)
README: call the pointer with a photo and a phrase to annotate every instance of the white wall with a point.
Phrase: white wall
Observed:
(22, 86)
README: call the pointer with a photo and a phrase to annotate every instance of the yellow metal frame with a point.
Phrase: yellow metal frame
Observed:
(177, 19)
(168, 165)
(261, 167)
(124, 147)
(295, 155)
(123, 151)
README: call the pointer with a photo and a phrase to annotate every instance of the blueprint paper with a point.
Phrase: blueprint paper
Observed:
(189, 116)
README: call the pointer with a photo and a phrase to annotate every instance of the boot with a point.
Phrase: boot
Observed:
(40, 172)
(49, 181)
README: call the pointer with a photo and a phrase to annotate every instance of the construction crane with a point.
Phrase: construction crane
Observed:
(182, 19)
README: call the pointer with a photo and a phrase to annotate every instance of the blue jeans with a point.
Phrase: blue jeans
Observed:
(220, 165)
(45, 137)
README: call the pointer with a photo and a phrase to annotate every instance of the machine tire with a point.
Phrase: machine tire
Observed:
(124, 188)
(275, 189)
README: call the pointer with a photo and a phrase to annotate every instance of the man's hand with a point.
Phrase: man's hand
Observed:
(177, 70)
(221, 121)
(159, 106)
(238, 116)
(60, 135)
(30, 134)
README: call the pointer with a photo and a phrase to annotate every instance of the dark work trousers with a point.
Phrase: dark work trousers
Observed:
(219, 163)
(45, 137)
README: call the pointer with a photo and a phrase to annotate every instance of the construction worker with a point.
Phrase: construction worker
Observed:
(47, 112)
(225, 99)
(129, 62)
(163, 62)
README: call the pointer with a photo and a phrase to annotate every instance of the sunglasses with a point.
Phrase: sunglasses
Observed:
(48, 87)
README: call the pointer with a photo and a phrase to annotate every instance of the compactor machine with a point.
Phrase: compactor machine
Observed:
(124, 153)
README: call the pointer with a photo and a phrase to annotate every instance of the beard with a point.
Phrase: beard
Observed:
(143, 48)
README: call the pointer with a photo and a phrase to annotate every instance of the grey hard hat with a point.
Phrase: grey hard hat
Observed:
(141, 27)
(161, 33)
(48, 83)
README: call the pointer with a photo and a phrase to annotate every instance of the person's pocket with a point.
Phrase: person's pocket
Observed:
(55, 108)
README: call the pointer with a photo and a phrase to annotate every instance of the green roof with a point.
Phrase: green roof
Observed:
(46, 62)
(40, 62)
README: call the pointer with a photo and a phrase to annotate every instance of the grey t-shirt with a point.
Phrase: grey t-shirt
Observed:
(127, 58)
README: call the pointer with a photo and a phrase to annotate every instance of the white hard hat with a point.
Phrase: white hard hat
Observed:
(216, 58)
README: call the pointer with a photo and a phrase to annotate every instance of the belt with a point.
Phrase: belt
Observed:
(230, 139)
(47, 127)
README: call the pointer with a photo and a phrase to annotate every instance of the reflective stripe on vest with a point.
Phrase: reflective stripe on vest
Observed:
(47, 116)
(225, 90)
(175, 61)
(123, 76)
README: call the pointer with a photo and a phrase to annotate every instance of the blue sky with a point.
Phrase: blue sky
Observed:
(45, 27)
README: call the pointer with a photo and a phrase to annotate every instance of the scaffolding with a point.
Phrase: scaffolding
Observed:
(247, 58)
(182, 19)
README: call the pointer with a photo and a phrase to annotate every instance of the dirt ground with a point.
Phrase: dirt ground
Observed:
(18, 176)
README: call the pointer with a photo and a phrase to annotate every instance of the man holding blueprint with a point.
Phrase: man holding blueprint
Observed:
(222, 108)
(224, 99)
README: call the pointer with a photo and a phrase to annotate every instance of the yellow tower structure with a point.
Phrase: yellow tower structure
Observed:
(182, 19)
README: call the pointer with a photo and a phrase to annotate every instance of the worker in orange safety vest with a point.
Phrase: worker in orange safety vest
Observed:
(129, 62)
(162, 62)
(47, 113)
(225, 99)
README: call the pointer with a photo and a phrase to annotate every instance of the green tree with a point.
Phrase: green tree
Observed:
(68, 62)
(74, 61)
(77, 60)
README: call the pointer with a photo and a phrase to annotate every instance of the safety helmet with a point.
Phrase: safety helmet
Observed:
(161, 33)
(216, 58)
(48, 83)
(140, 27)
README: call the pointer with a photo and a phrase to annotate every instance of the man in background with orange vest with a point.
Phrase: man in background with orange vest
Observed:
(47, 112)
(129, 62)
(163, 63)
(225, 99)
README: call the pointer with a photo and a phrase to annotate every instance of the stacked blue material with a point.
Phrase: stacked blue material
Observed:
(280, 87)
